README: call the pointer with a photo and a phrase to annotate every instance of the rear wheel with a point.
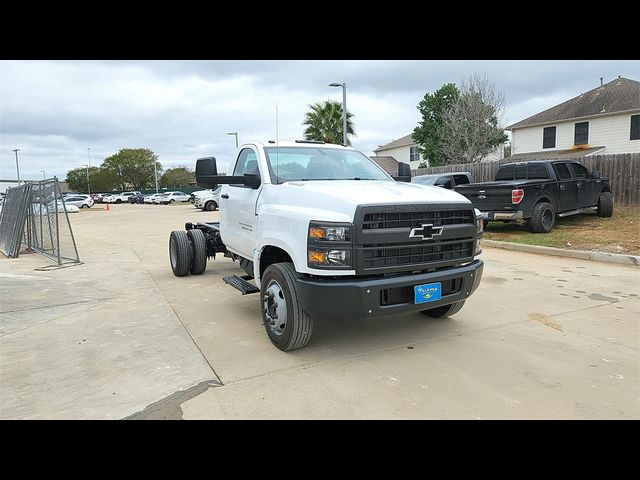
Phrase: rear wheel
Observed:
(287, 326)
(210, 206)
(444, 311)
(118, 201)
(543, 218)
(180, 253)
(605, 204)
(199, 245)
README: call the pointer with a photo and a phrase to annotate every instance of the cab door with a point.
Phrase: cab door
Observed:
(586, 186)
(567, 188)
(238, 207)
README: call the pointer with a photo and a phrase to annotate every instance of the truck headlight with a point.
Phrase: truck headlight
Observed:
(331, 233)
(479, 230)
(329, 245)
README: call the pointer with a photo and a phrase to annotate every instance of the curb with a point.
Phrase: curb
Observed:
(628, 260)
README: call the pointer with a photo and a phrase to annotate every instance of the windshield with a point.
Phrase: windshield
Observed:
(318, 163)
(426, 180)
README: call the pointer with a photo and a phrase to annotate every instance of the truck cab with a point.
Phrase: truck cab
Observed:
(324, 232)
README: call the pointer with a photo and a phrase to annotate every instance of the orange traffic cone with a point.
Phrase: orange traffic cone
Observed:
(107, 209)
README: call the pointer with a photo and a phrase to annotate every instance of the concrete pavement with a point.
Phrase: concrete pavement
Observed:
(543, 337)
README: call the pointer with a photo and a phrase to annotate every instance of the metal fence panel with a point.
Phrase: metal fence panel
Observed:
(12, 219)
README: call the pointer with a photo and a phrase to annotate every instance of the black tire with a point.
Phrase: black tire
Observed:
(543, 218)
(171, 201)
(118, 201)
(298, 327)
(444, 311)
(605, 204)
(199, 246)
(210, 206)
(180, 253)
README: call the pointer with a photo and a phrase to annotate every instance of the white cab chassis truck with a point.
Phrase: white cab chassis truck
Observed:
(324, 232)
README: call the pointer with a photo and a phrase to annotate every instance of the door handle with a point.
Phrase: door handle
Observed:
(224, 195)
(561, 187)
(579, 184)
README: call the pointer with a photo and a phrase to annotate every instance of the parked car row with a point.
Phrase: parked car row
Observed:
(142, 198)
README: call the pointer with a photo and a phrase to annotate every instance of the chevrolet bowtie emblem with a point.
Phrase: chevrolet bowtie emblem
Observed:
(426, 232)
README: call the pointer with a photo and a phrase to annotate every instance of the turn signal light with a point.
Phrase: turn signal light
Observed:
(316, 233)
(517, 196)
(316, 257)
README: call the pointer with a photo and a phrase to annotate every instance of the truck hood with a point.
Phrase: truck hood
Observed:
(360, 192)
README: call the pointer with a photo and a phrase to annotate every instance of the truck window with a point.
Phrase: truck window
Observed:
(579, 170)
(562, 171)
(505, 173)
(461, 179)
(247, 164)
(521, 172)
(445, 182)
(537, 171)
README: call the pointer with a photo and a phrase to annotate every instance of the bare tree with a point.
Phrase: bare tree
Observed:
(472, 126)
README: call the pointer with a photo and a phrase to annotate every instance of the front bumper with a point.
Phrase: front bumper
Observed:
(518, 215)
(362, 298)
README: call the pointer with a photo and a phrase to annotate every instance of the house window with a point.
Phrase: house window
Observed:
(549, 137)
(635, 127)
(414, 154)
(581, 136)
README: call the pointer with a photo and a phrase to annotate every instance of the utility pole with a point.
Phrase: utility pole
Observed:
(16, 150)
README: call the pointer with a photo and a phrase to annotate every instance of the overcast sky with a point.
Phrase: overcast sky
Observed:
(53, 110)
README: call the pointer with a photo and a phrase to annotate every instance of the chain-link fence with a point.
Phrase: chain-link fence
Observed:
(35, 214)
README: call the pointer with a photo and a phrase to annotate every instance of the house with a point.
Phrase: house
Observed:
(601, 121)
(403, 150)
(388, 164)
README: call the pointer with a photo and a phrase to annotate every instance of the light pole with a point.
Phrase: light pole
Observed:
(344, 109)
(88, 185)
(155, 171)
(89, 155)
(236, 134)
(44, 175)
(16, 150)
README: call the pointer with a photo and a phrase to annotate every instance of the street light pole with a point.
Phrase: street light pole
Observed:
(16, 150)
(236, 134)
(155, 171)
(44, 175)
(344, 109)
(88, 186)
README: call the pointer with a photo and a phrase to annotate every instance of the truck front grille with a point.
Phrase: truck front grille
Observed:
(391, 255)
(380, 220)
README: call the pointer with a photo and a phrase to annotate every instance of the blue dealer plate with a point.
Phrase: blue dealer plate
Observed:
(429, 292)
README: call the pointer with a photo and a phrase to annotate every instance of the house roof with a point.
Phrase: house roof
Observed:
(401, 142)
(388, 164)
(618, 95)
(570, 154)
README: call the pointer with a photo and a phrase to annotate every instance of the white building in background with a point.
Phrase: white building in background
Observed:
(604, 120)
(403, 150)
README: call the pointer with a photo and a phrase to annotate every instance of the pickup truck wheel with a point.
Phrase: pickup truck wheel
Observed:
(286, 324)
(199, 245)
(210, 206)
(605, 204)
(180, 253)
(444, 311)
(543, 218)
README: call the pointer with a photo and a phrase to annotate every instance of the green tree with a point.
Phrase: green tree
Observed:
(471, 125)
(77, 179)
(428, 133)
(177, 177)
(101, 180)
(324, 123)
(133, 168)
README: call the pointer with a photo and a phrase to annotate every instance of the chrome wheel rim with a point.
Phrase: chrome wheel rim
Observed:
(274, 306)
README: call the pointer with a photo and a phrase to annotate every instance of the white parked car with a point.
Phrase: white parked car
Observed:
(208, 201)
(150, 198)
(120, 197)
(80, 201)
(41, 209)
(172, 197)
(192, 197)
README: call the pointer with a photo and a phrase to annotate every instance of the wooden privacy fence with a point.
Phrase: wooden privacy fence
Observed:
(622, 170)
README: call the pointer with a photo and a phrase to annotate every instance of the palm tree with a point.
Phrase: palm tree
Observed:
(324, 123)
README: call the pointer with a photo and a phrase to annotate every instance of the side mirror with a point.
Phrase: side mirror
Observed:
(206, 171)
(404, 173)
(252, 181)
(596, 174)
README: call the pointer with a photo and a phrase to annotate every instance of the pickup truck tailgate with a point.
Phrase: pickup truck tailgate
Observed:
(493, 196)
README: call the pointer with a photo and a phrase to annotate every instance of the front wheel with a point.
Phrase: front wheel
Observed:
(444, 311)
(210, 206)
(542, 218)
(605, 204)
(118, 201)
(287, 326)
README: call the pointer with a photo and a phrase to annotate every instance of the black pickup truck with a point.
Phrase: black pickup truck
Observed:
(535, 192)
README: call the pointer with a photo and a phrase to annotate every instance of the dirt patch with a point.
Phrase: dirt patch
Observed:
(618, 234)
(545, 320)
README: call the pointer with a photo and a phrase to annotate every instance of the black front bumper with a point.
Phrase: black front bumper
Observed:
(362, 298)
